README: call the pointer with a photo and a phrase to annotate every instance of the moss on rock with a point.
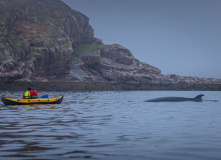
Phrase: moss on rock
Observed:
(86, 48)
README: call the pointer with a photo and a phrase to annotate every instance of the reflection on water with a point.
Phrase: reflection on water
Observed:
(112, 125)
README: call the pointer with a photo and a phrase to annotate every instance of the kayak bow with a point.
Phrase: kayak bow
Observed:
(12, 101)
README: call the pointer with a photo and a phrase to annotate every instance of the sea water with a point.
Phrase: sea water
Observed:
(113, 125)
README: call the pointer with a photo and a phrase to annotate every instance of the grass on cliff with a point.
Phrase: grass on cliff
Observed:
(64, 46)
(86, 48)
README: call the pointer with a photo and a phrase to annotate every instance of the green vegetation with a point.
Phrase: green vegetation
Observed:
(15, 44)
(86, 48)
(64, 46)
(34, 52)
(108, 46)
(39, 48)
(46, 39)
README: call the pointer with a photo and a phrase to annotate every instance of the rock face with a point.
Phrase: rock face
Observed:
(38, 38)
(45, 40)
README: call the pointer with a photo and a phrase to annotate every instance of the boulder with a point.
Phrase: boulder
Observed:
(118, 54)
(90, 60)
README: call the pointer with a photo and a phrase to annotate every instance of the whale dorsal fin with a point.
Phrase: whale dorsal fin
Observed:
(199, 96)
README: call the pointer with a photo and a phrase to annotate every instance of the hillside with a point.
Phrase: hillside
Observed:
(45, 40)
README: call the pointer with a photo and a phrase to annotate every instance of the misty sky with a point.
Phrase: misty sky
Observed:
(180, 37)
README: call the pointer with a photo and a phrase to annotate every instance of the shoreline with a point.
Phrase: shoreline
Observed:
(104, 86)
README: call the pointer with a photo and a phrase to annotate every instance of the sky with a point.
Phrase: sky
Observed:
(180, 37)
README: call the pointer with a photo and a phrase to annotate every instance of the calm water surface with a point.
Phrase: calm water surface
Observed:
(113, 125)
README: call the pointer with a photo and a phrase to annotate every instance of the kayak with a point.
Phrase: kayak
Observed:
(12, 101)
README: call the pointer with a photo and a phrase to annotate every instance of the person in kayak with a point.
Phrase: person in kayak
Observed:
(29, 94)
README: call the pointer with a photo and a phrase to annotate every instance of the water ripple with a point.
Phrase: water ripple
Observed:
(112, 125)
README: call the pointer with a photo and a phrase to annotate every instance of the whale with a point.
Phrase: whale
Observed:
(176, 99)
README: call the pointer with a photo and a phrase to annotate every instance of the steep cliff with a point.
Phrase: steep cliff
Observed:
(45, 40)
(38, 38)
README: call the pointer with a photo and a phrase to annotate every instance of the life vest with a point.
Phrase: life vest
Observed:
(27, 95)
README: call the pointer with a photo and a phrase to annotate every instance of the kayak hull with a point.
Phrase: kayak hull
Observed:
(12, 101)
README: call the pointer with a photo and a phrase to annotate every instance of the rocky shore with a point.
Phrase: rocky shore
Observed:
(106, 86)
(46, 44)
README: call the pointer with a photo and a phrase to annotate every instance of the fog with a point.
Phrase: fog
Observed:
(178, 36)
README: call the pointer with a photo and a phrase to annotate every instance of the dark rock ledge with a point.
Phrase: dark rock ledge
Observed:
(105, 86)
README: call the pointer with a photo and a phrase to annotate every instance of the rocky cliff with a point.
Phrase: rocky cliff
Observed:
(38, 38)
(45, 40)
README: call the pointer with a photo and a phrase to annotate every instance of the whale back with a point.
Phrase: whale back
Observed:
(169, 99)
(176, 99)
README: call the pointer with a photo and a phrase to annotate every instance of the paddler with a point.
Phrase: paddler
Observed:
(29, 94)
